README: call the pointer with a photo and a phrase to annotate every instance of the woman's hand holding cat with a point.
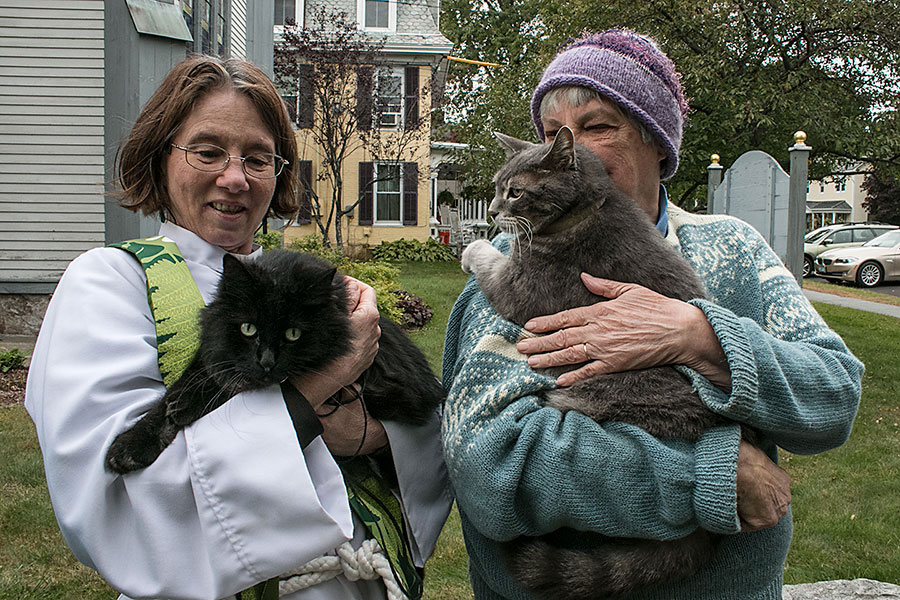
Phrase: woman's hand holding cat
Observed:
(345, 370)
(349, 430)
(635, 328)
(763, 489)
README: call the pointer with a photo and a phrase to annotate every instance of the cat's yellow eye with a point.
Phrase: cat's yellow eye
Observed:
(515, 192)
(248, 329)
(292, 334)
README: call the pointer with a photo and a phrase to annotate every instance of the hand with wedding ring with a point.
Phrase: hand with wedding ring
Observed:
(634, 328)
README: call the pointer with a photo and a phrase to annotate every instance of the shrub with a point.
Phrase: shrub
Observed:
(269, 241)
(413, 250)
(312, 244)
(415, 312)
(380, 275)
(11, 359)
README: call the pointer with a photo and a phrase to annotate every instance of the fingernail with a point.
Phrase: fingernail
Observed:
(530, 325)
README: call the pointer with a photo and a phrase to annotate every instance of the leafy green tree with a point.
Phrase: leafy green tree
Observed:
(754, 71)
(883, 197)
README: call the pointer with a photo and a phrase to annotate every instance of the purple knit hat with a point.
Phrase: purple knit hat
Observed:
(631, 71)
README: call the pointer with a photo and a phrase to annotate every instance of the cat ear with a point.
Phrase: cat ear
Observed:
(232, 266)
(561, 154)
(234, 271)
(329, 277)
(510, 144)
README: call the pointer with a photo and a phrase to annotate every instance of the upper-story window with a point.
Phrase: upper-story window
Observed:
(377, 14)
(389, 98)
(288, 9)
(840, 186)
(207, 22)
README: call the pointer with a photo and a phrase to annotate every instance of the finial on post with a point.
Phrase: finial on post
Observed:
(714, 159)
(800, 137)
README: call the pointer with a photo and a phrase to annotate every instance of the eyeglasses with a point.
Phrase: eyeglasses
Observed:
(209, 158)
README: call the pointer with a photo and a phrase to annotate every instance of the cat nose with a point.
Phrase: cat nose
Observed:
(494, 214)
(266, 359)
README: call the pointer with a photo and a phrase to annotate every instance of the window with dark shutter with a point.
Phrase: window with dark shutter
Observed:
(366, 192)
(411, 94)
(410, 193)
(304, 173)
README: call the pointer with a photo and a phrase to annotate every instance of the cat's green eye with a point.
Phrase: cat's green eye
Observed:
(292, 334)
(248, 329)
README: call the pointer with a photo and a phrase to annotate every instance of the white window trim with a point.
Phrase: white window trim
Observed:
(299, 11)
(401, 73)
(375, 220)
(361, 16)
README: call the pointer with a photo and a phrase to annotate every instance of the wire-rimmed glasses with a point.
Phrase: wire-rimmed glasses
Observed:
(211, 158)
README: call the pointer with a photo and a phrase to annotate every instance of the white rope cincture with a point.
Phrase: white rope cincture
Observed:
(368, 562)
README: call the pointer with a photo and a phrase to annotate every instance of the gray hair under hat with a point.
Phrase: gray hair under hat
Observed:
(630, 70)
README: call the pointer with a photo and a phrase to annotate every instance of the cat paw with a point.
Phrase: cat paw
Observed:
(128, 453)
(474, 253)
(122, 463)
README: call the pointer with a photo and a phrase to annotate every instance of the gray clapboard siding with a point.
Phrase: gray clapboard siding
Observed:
(42, 213)
(51, 138)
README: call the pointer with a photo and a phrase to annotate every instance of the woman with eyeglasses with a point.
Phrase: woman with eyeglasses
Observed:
(241, 498)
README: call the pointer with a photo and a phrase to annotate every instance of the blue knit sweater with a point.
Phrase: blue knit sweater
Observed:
(519, 468)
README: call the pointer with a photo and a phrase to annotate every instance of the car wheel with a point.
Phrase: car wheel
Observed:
(807, 266)
(869, 274)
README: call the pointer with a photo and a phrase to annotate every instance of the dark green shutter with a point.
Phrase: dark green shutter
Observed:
(410, 193)
(366, 193)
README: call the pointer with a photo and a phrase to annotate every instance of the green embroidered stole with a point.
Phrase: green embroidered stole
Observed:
(175, 303)
(379, 509)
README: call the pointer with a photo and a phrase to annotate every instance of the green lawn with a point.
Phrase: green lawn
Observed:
(845, 508)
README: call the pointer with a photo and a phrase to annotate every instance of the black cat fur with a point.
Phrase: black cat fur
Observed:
(569, 218)
(279, 291)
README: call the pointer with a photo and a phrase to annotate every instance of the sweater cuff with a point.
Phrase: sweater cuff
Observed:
(715, 479)
(306, 422)
(741, 363)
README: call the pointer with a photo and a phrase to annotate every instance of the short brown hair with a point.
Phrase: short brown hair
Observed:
(141, 157)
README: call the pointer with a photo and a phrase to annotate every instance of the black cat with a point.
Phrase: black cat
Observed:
(568, 217)
(284, 314)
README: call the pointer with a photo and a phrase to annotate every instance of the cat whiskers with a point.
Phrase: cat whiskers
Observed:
(521, 228)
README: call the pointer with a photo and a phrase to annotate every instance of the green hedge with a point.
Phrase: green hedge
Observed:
(380, 275)
(414, 251)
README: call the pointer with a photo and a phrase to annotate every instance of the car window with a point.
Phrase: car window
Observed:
(891, 238)
(817, 234)
(863, 234)
(841, 237)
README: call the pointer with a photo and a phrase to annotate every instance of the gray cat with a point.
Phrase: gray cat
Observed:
(569, 218)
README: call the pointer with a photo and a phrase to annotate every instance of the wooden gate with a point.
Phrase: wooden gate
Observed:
(756, 189)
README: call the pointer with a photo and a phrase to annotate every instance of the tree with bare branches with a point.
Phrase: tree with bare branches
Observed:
(339, 87)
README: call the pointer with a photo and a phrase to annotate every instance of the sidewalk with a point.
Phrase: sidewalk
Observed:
(866, 305)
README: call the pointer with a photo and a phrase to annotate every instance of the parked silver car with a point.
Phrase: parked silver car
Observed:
(867, 265)
(842, 235)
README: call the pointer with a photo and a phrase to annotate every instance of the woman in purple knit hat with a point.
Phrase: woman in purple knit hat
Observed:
(760, 354)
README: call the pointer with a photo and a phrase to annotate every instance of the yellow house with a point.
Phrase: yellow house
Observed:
(392, 188)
